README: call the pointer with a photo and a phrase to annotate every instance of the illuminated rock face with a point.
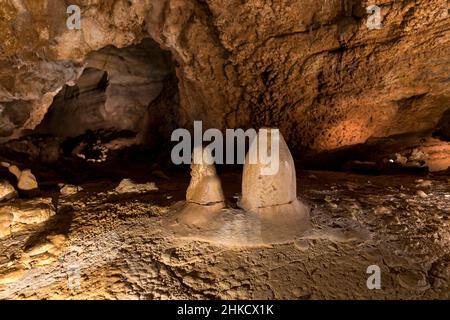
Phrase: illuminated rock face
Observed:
(272, 193)
(18, 214)
(312, 68)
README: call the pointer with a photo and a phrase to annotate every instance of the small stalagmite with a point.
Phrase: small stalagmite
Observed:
(276, 192)
(204, 195)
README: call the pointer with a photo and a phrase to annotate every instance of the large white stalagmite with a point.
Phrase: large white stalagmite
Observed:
(271, 193)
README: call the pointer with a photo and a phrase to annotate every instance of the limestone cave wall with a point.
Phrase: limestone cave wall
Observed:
(310, 67)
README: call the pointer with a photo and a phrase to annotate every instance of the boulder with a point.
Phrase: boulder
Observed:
(27, 212)
(7, 191)
(27, 181)
(69, 190)
(15, 171)
(204, 196)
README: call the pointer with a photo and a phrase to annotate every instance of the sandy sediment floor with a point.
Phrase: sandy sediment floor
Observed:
(105, 245)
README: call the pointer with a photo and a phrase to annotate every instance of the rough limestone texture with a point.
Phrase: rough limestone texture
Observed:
(270, 193)
(6, 219)
(114, 92)
(27, 181)
(16, 215)
(312, 68)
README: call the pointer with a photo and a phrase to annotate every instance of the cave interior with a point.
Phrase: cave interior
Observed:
(93, 207)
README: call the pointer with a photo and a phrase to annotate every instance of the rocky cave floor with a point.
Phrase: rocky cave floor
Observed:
(105, 244)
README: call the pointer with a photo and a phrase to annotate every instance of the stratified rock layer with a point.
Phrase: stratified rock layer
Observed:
(19, 214)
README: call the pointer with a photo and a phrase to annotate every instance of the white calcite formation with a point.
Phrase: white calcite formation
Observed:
(271, 193)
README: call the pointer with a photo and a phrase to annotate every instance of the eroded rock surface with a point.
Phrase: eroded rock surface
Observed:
(114, 92)
(7, 191)
(205, 187)
(312, 68)
(17, 215)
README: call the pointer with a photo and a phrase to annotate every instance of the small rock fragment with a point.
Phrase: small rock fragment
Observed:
(15, 171)
(423, 183)
(421, 194)
(7, 191)
(69, 190)
(6, 219)
(382, 210)
(129, 186)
